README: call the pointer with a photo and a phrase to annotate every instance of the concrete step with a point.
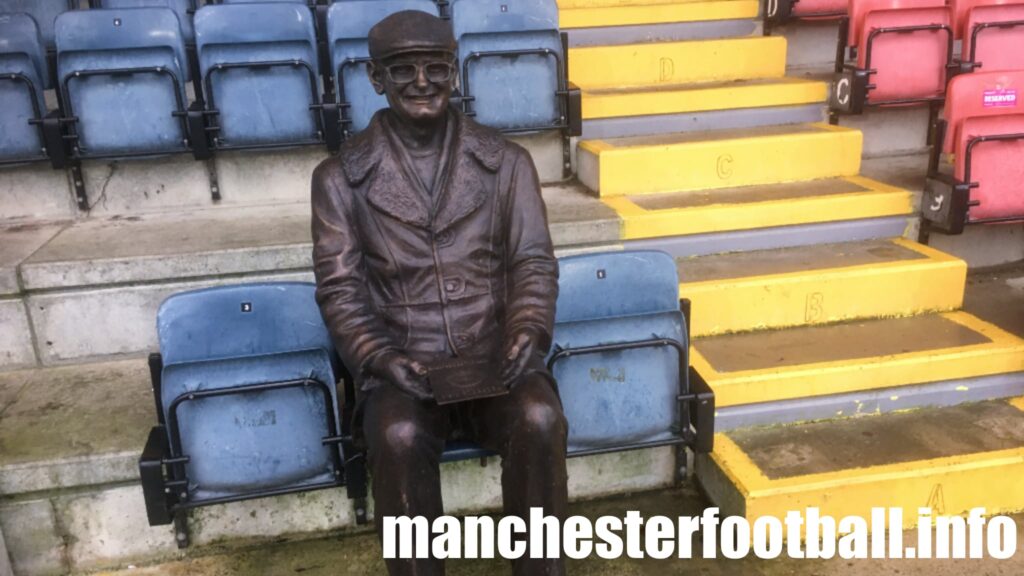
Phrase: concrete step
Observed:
(615, 35)
(658, 63)
(580, 15)
(811, 361)
(110, 274)
(715, 160)
(29, 194)
(70, 438)
(601, 103)
(952, 459)
(818, 284)
(754, 207)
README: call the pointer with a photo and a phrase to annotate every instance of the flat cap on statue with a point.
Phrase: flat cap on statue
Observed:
(410, 31)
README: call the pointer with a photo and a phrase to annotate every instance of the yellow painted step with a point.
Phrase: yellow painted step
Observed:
(750, 207)
(812, 361)
(949, 459)
(570, 4)
(721, 159)
(665, 63)
(655, 13)
(686, 98)
(819, 284)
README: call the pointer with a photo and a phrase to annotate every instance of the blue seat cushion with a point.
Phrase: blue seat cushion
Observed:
(21, 54)
(124, 114)
(257, 439)
(260, 105)
(617, 398)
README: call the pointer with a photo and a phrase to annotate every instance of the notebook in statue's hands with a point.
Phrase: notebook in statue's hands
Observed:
(458, 380)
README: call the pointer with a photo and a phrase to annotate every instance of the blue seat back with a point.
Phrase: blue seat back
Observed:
(123, 114)
(243, 335)
(21, 54)
(348, 23)
(511, 92)
(44, 12)
(625, 397)
(260, 105)
(182, 8)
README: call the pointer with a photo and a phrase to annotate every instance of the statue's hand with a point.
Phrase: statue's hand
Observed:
(518, 350)
(404, 373)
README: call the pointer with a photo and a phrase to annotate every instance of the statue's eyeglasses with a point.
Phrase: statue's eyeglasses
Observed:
(406, 73)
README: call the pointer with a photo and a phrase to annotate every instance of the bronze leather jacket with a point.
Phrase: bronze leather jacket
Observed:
(452, 275)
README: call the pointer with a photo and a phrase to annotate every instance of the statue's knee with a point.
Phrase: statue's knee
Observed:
(401, 438)
(544, 420)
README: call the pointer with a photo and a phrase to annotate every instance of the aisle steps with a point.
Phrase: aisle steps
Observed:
(950, 459)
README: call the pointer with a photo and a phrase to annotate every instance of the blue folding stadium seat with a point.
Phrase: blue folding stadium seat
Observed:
(23, 79)
(122, 76)
(247, 398)
(44, 12)
(260, 74)
(348, 23)
(620, 351)
(513, 64)
(308, 2)
(183, 8)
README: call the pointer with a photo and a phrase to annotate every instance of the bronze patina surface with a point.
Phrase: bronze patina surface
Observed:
(431, 243)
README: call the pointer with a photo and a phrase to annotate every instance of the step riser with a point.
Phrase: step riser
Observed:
(722, 164)
(38, 192)
(15, 335)
(771, 238)
(107, 527)
(657, 14)
(957, 479)
(863, 403)
(677, 63)
(871, 291)
(598, 106)
(984, 246)
(699, 121)
(669, 32)
(121, 318)
(1003, 353)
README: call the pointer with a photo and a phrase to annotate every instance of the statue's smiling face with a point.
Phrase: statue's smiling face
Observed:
(418, 85)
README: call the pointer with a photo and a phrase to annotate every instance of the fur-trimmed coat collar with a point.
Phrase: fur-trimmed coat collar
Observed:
(369, 161)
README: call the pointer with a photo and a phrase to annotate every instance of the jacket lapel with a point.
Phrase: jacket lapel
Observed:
(464, 189)
(478, 152)
(369, 157)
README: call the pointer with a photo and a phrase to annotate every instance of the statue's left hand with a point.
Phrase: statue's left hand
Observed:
(518, 350)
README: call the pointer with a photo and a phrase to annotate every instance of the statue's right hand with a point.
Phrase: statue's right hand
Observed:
(404, 373)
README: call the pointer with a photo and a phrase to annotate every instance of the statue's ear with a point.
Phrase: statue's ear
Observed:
(455, 76)
(375, 73)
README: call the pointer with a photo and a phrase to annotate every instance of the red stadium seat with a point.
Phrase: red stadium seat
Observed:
(992, 33)
(903, 50)
(778, 12)
(819, 8)
(983, 130)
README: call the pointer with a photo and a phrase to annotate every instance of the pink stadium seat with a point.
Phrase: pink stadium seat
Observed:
(988, 104)
(811, 9)
(910, 65)
(985, 45)
(984, 133)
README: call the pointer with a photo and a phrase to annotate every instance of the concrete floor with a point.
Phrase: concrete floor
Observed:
(360, 555)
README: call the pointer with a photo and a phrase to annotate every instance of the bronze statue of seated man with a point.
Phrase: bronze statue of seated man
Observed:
(431, 247)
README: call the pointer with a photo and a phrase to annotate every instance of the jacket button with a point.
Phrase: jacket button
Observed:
(452, 285)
